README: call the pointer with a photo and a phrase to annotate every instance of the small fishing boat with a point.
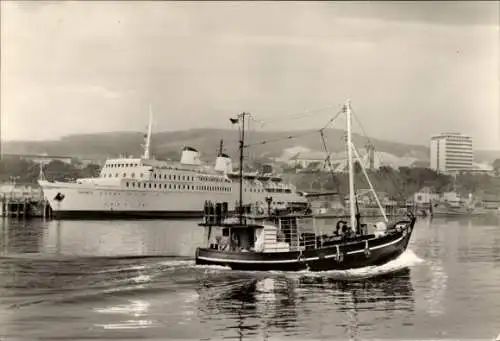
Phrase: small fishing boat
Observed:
(256, 237)
(454, 205)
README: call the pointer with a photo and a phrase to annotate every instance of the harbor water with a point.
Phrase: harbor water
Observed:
(137, 279)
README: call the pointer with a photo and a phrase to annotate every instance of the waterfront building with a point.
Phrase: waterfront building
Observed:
(451, 153)
(425, 196)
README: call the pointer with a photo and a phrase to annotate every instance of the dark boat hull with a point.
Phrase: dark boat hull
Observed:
(352, 256)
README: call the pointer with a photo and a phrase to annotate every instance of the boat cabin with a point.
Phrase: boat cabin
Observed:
(254, 236)
(261, 232)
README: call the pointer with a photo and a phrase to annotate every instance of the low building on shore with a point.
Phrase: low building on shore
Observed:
(490, 201)
(20, 191)
(425, 196)
(40, 158)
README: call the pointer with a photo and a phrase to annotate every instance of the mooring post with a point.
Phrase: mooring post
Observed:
(25, 208)
(44, 208)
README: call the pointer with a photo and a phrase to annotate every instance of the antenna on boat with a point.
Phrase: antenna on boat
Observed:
(347, 109)
(41, 176)
(241, 118)
(147, 137)
(221, 147)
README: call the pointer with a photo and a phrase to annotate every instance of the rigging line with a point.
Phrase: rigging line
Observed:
(328, 159)
(330, 121)
(260, 122)
(301, 114)
(250, 153)
(361, 126)
(290, 137)
(394, 183)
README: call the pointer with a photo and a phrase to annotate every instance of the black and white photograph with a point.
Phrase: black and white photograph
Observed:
(249, 170)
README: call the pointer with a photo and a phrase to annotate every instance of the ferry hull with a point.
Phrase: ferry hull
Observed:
(125, 215)
(75, 201)
(382, 250)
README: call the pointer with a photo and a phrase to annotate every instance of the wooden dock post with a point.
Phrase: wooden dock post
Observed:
(44, 208)
(25, 208)
(21, 203)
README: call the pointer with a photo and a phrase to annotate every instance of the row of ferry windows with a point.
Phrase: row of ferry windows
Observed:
(203, 188)
(116, 165)
(178, 186)
(121, 165)
(170, 177)
(159, 176)
(270, 190)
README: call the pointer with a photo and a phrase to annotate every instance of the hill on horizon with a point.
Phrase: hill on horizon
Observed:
(169, 144)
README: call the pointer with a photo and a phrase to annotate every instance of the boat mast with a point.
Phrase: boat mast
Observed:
(241, 118)
(147, 142)
(347, 108)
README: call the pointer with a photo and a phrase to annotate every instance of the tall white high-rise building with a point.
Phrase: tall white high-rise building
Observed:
(451, 153)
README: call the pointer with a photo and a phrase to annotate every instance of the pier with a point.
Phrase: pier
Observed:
(23, 202)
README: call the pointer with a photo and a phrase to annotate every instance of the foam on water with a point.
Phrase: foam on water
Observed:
(407, 259)
(177, 263)
(135, 308)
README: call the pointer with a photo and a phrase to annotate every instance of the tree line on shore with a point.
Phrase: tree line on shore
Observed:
(397, 183)
(28, 172)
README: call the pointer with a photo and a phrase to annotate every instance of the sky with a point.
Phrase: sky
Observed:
(410, 69)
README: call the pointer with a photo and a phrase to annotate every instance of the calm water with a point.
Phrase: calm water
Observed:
(137, 279)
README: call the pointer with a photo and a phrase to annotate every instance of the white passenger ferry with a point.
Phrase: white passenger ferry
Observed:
(148, 188)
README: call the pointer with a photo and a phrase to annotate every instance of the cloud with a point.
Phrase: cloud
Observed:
(90, 90)
(411, 69)
(452, 13)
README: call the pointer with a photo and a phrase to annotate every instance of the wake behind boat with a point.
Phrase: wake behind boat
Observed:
(288, 240)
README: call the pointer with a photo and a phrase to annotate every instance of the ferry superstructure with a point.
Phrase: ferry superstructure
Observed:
(148, 188)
